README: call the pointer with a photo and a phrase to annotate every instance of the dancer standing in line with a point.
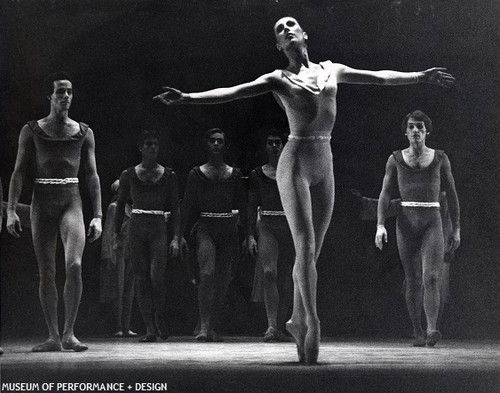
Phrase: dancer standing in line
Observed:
(153, 190)
(420, 173)
(307, 92)
(213, 191)
(58, 144)
(274, 248)
(117, 278)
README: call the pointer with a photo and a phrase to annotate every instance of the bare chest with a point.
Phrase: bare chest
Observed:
(418, 161)
(217, 173)
(149, 175)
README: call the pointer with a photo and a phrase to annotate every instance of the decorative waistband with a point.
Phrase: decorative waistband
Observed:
(272, 213)
(216, 215)
(420, 204)
(67, 180)
(311, 138)
(152, 212)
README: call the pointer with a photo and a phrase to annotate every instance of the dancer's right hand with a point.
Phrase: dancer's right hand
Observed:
(13, 224)
(252, 246)
(380, 236)
(171, 96)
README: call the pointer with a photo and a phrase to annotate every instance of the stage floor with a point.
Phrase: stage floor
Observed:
(245, 364)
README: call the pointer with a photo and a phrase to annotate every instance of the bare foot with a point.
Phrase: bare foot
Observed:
(298, 333)
(50, 345)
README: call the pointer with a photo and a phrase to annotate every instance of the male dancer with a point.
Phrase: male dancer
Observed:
(307, 92)
(274, 248)
(213, 191)
(153, 190)
(420, 173)
(56, 144)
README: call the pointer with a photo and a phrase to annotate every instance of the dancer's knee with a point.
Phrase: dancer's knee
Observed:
(431, 281)
(207, 279)
(305, 253)
(270, 275)
(73, 271)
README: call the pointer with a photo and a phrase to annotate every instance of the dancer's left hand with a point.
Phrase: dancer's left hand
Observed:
(95, 229)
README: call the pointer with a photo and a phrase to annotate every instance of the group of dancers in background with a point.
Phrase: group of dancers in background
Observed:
(290, 201)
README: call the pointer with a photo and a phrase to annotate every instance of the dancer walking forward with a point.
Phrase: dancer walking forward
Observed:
(56, 144)
(307, 92)
(420, 173)
(213, 191)
(153, 190)
(273, 248)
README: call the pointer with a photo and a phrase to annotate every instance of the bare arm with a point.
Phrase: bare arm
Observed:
(448, 183)
(384, 201)
(176, 216)
(94, 186)
(24, 152)
(123, 194)
(264, 84)
(253, 203)
(435, 76)
(189, 208)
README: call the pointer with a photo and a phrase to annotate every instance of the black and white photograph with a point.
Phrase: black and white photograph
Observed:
(250, 196)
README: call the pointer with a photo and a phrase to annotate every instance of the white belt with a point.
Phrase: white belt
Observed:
(272, 213)
(67, 180)
(310, 138)
(216, 215)
(153, 212)
(420, 204)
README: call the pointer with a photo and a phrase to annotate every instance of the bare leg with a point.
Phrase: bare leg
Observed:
(73, 238)
(44, 232)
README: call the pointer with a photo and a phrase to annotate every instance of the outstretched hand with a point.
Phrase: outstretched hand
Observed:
(171, 96)
(437, 76)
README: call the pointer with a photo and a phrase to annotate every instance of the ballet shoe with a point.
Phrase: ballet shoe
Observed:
(419, 340)
(75, 345)
(118, 334)
(298, 335)
(433, 336)
(311, 345)
(274, 335)
(148, 338)
(202, 336)
(48, 346)
(161, 324)
(130, 333)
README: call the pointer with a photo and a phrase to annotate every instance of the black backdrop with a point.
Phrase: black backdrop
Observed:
(120, 53)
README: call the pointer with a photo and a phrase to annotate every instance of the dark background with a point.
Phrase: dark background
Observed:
(120, 53)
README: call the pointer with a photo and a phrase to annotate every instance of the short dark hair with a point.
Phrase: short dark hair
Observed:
(276, 133)
(48, 82)
(215, 130)
(146, 134)
(419, 116)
